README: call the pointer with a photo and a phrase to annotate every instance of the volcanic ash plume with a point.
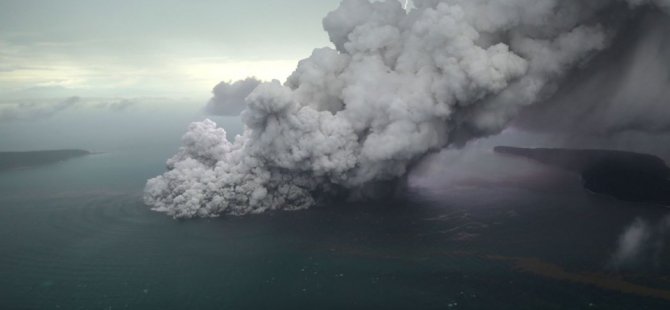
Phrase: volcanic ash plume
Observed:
(398, 85)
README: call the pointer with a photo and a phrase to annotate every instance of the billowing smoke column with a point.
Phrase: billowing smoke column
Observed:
(398, 85)
(229, 97)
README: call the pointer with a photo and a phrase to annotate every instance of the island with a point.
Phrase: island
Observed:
(16, 160)
(623, 175)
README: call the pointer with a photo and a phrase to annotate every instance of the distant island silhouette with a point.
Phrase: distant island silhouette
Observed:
(17, 160)
(623, 175)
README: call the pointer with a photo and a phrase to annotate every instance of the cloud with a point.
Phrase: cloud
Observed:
(117, 105)
(9, 68)
(229, 97)
(398, 85)
(28, 111)
(39, 109)
(195, 58)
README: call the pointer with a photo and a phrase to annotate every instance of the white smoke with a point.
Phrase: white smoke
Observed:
(641, 242)
(398, 85)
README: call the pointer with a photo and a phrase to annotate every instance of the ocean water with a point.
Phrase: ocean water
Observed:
(76, 235)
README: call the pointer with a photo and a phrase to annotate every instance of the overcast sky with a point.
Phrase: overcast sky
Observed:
(151, 47)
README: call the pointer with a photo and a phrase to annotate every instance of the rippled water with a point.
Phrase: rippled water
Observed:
(76, 236)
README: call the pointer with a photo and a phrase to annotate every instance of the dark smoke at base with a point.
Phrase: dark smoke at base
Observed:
(398, 85)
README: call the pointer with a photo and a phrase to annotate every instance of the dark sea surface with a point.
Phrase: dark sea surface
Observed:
(76, 235)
